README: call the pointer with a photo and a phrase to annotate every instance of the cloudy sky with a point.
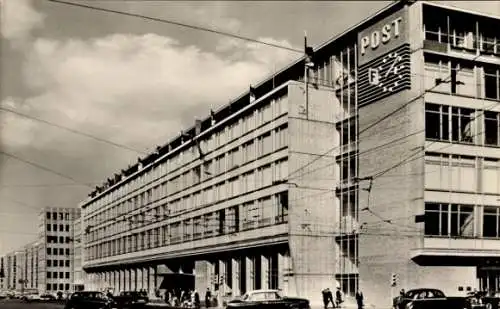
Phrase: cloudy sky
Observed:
(129, 81)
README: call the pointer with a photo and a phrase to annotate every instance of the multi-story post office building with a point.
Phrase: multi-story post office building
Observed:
(384, 165)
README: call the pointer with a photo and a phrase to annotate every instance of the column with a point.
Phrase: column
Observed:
(133, 279)
(145, 278)
(264, 272)
(235, 274)
(279, 271)
(249, 273)
(138, 280)
(152, 281)
(127, 280)
(222, 283)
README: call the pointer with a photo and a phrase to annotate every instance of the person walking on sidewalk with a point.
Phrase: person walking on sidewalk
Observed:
(338, 298)
(327, 297)
(359, 299)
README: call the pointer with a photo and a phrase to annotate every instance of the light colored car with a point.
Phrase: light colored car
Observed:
(30, 297)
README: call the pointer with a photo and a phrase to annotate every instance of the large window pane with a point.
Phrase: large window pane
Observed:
(490, 222)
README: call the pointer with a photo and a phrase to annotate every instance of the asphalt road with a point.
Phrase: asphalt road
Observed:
(17, 304)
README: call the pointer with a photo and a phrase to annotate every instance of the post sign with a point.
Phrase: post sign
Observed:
(383, 36)
(383, 76)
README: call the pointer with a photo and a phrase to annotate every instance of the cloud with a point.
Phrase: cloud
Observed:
(132, 89)
(19, 18)
(137, 90)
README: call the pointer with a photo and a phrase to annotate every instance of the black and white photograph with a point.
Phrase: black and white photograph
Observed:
(249, 154)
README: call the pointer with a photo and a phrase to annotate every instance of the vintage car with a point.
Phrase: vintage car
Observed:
(130, 299)
(30, 297)
(267, 299)
(421, 298)
(88, 300)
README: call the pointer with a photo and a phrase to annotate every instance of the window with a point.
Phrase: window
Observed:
(61, 286)
(49, 251)
(61, 227)
(491, 128)
(66, 287)
(54, 227)
(54, 286)
(433, 121)
(67, 227)
(491, 83)
(48, 227)
(49, 275)
(281, 137)
(54, 216)
(491, 222)
(67, 263)
(67, 275)
(54, 275)
(49, 263)
(61, 251)
(48, 286)
(449, 220)
(282, 207)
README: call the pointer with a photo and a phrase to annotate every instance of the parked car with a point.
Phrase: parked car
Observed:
(88, 300)
(421, 298)
(30, 297)
(130, 299)
(267, 299)
(47, 297)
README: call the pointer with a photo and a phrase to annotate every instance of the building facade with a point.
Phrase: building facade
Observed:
(78, 274)
(56, 244)
(380, 173)
(20, 269)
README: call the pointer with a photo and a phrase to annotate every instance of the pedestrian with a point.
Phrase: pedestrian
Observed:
(359, 299)
(196, 300)
(338, 297)
(208, 297)
(327, 297)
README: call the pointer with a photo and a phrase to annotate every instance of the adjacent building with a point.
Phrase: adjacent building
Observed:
(77, 270)
(56, 249)
(20, 269)
(380, 173)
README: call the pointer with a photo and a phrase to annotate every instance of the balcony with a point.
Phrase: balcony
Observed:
(454, 251)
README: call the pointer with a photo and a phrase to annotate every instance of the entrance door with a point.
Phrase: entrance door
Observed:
(490, 280)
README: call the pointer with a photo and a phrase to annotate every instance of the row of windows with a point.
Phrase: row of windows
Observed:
(462, 125)
(60, 263)
(266, 211)
(54, 275)
(459, 33)
(54, 287)
(60, 239)
(249, 181)
(459, 220)
(62, 228)
(57, 251)
(241, 127)
(462, 78)
(58, 215)
(236, 157)
(462, 173)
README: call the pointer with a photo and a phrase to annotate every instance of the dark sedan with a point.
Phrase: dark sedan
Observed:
(88, 300)
(268, 299)
(421, 298)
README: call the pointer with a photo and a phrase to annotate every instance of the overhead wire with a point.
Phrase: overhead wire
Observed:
(177, 23)
(74, 131)
(384, 117)
(41, 167)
